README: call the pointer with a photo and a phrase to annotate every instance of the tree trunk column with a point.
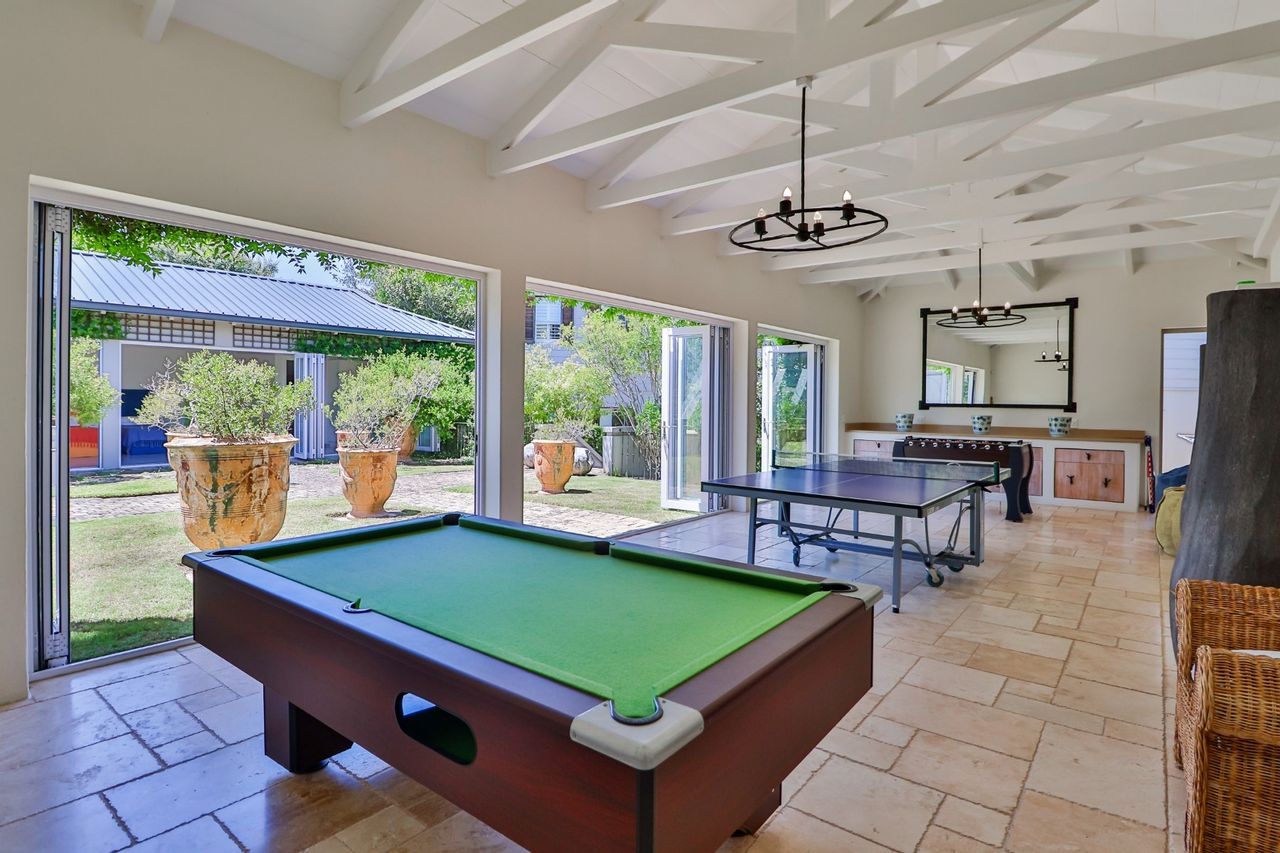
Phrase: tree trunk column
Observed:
(1231, 511)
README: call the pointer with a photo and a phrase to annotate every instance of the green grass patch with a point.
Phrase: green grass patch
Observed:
(128, 587)
(626, 496)
(128, 486)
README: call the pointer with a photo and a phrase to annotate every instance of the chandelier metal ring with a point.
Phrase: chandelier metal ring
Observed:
(980, 316)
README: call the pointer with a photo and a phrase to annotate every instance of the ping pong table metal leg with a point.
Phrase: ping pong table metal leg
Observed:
(897, 562)
(976, 525)
(752, 527)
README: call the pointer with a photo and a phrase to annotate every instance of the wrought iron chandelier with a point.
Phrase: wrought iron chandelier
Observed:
(980, 316)
(1058, 357)
(803, 228)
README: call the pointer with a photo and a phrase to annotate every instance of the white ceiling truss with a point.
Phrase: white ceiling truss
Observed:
(1046, 129)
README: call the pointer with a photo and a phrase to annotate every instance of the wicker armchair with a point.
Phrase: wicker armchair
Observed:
(1221, 616)
(1231, 750)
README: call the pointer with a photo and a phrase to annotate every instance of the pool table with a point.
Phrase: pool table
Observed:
(571, 692)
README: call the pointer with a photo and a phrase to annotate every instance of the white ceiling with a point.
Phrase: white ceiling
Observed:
(1057, 132)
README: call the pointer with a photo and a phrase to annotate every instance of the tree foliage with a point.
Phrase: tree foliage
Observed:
(211, 394)
(562, 402)
(89, 393)
(429, 294)
(625, 347)
(206, 257)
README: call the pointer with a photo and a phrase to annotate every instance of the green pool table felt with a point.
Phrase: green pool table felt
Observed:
(626, 626)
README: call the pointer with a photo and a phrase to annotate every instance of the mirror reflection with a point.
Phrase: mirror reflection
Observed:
(1028, 364)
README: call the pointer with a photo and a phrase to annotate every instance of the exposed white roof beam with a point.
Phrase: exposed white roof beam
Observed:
(787, 108)
(155, 17)
(864, 13)
(1130, 257)
(1099, 78)
(1025, 274)
(988, 53)
(386, 44)
(709, 42)
(997, 253)
(613, 171)
(1235, 257)
(532, 111)
(993, 133)
(838, 43)
(1267, 244)
(512, 30)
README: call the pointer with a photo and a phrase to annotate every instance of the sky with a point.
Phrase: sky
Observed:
(312, 274)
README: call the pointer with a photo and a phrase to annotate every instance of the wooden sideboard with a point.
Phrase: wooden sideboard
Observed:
(1096, 468)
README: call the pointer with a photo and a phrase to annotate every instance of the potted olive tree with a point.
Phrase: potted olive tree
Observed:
(228, 426)
(372, 409)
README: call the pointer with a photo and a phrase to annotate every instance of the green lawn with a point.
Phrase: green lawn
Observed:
(123, 485)
(626, 496)
(128, 588)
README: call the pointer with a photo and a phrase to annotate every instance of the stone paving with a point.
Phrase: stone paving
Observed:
(418, 490)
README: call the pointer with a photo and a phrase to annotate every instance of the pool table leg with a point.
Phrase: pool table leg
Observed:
(771, 804)
(294, 739)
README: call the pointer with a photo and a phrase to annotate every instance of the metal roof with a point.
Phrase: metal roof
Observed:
(106, 284)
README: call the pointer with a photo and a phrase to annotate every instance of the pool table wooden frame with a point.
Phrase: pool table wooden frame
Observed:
(330, 678)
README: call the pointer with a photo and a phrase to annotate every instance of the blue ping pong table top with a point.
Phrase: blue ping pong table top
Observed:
(900, 489)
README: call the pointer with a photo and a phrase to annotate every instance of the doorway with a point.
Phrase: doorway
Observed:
(1179, 395)
(790, 398)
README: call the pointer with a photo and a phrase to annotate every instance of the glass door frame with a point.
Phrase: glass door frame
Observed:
(1164, 333)
(813, 397)
(674, 429)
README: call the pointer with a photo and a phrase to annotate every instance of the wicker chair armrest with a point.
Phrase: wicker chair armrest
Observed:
(1236, 695)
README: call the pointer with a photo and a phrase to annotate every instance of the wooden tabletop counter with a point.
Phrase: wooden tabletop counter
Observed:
(997, 431)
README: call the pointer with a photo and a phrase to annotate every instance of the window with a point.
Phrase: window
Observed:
(549, 320)
(954, 383)
(168, 330)
(249, 336)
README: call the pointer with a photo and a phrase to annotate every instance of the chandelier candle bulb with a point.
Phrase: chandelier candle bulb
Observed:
(784, 206)
(818, 226)
(760, 223)
(846, 207)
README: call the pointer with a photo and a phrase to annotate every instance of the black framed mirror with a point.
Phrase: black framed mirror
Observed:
(999, 364)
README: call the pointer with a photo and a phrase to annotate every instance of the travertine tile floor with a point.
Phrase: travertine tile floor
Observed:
(1023, 706)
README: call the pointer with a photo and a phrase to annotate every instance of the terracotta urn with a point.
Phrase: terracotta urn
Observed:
(407, 444)
(553, 464)
(368, 479)
(230, 493)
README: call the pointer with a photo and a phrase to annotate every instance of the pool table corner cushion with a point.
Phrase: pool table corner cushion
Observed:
(545, 763)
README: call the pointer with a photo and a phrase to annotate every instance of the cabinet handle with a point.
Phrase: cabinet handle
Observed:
(1088, 456)
(1106, 482)
(1071, 478)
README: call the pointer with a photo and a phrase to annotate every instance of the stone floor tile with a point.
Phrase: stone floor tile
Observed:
(360, 762)
(939, 840)
(1123, 581)
(1107, 774)
(209, 698)
(1014, 664)
(1044, 824)
(950, 651)
(990, 778)
(980, 725)
(205, 659)
(1028, 690)
(1105, 700)
(1047, 606)
(862, 749)
(972, 820)
(886, 731)
(1048, 627)
(172, 797)
(157, 687)
(1051, 713)
(802, 772)
(85, 679)
(888, 667)
(1130, 626)
(960, 681)
(71, 775)
(890, 811)
(203, 835)
(461, 833)
(162, 723)
(382, 830)
(791, 831)
(37, 730)
(301, 810)
(85, 826)
(1116, 667)
(234, 721)
(187, 748)
(1015, 639)
(1143, 735)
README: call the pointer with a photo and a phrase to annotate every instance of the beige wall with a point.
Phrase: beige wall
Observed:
(200, 121)
(1117, 346)
(1022, 379)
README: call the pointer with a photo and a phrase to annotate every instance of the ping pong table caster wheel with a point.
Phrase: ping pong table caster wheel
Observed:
(955, 568)
(831, 550)
(795, 556)
(934, 578)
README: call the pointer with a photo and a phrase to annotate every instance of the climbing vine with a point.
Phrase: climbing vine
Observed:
(99, 325)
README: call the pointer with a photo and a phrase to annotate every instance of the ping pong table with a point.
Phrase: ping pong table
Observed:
(902, 488)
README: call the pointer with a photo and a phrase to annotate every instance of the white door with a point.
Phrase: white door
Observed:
(686, 398)
(790, 401)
